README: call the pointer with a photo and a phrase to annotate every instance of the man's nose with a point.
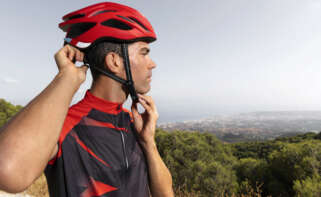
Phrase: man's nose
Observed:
(152, 64)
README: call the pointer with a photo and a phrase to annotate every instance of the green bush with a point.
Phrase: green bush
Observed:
(7, 111)
(198, 162)
(309, 187)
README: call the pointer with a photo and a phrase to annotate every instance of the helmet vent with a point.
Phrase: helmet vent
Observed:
(116, 24)
(103, 11)
(139, 23)
(125, 18)
(74, 17)
(79, 28)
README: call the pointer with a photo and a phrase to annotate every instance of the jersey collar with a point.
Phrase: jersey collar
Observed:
(102, 104)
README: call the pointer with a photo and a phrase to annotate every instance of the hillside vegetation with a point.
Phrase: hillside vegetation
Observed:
(199, 162)
(7, 111)
(203, 166)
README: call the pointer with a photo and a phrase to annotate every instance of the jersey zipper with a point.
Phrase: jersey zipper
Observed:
(124, 149)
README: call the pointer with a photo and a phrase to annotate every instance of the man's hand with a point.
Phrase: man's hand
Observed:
(65, 59)
(145, 123)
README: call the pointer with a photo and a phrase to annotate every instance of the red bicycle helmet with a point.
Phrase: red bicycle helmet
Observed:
(111, 22)
(106, 22)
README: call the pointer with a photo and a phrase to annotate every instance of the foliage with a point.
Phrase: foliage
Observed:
(309, 187)
(283, 166)
(258, 150)
(250, 173)
(7, 111)
(299, 138)
(295, 162)
(198, 162)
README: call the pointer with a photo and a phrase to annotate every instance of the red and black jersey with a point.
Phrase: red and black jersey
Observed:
(98, 154)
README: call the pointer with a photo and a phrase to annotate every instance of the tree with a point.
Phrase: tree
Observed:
(7, 111)
(294, 163)
(309, 187)
(198, 162)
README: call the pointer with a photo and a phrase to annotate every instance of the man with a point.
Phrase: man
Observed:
(95, 148)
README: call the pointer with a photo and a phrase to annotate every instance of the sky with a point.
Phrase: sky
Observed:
(213, 56)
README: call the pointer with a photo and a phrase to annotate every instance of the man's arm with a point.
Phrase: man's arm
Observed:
(160, 177)
(145, 124)
(29, 139)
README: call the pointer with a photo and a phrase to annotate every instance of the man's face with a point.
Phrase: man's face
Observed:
(141, 66)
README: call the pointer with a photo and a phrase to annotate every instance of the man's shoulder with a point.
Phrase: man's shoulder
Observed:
(74, 115)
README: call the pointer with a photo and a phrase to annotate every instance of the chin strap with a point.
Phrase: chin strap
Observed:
(129, 83)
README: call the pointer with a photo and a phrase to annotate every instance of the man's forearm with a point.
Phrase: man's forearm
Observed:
(26, 141)
(160, 177)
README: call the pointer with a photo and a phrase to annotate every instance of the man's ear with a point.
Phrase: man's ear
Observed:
(114, 63)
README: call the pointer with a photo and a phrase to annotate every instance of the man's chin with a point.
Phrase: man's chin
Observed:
(143, 91)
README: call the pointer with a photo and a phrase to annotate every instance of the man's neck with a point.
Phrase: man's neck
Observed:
(108, 89)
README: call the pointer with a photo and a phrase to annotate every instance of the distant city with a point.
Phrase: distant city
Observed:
(265, 125)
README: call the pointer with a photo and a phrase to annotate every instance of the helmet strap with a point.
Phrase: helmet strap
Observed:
(114, 77)
(129, 82)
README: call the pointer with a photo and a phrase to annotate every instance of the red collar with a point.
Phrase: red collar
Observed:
(101, 104)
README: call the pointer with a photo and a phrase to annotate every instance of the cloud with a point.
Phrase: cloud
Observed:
(9, 80)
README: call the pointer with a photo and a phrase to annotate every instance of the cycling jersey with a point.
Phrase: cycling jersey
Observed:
(98, 153)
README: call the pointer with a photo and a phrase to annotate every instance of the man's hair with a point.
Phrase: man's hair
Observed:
(96, 56)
